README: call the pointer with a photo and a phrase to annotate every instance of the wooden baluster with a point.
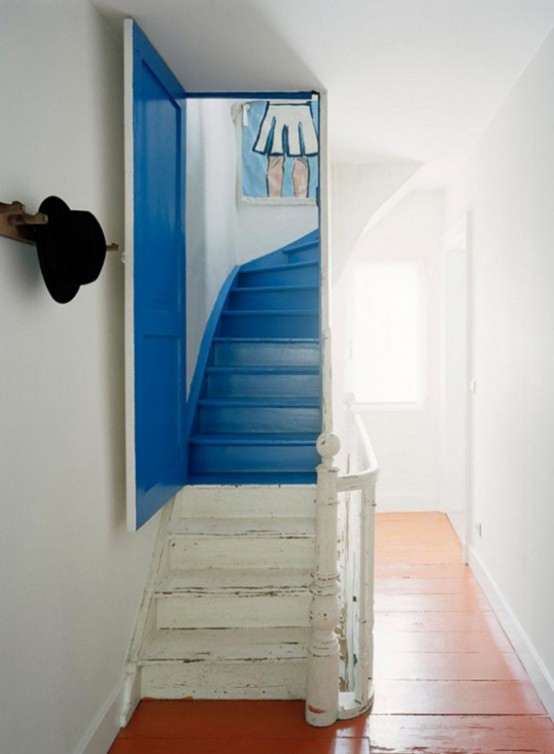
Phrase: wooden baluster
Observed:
(323, 652)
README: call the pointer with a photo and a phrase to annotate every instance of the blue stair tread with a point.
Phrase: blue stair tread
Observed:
(263, 370)
(256, 438)
(275, 267)
(244, 339)
(284, 402)
(269, 312)
(274, 288)
(247, 477)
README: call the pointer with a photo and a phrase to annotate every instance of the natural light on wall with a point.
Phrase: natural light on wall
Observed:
(388, 333)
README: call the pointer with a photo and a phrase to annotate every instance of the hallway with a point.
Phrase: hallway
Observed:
(447, 679)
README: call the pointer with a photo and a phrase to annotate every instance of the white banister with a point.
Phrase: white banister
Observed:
(325, 268)
(323, 651)
(324, 703)
(359, 558)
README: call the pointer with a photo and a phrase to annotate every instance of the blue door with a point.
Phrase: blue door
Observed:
(155, 278)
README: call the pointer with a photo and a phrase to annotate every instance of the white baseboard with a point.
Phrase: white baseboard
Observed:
(392, 503)
(457, 522)
(105, 726)
(525, 650)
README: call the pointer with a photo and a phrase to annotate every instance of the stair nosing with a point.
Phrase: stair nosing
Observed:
(211, 479)
(258, 339)
(278, 267)
(264, 402)
(269, 439)
(270, 312)
(257, 369)
(255, 527)
(223, 581)
(275, 288)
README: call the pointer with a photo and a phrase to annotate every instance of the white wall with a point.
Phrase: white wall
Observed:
(359, 191)
(212, 221)
(454, 375)
(70, 575)
(513, 354)
(406, 441)
(263, 229)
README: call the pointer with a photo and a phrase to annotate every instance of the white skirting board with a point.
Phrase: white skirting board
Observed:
(392, 503)
(532, 662)
(105, 726)
(457, 522)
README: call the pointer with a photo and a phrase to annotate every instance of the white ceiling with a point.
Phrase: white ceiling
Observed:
(410, 80)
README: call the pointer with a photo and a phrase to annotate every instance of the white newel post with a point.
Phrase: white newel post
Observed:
(323, 652)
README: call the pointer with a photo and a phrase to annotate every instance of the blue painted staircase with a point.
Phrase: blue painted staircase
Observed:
(256, 396)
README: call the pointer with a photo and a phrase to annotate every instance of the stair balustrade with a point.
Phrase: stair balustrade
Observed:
(340, 654)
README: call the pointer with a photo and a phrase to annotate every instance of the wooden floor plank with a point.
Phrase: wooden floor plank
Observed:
(460, 734)
(403, 697)
(229, 719)
(307, 745)
(455, 569)
(148, 745)
(466, 585)
(449, 666)
(440, 641)
(453, 621)
(244, 745)
(430, 602)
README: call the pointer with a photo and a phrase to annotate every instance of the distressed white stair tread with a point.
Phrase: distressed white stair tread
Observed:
(249, 581)
(282, 528)
(280, 679)
(247, 501)
(223, 645)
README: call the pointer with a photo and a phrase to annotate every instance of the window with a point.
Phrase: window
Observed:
(388, 346)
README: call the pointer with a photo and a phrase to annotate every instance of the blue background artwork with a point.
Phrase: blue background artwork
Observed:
(254, 165)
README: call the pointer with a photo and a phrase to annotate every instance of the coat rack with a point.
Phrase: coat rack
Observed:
(15, 223)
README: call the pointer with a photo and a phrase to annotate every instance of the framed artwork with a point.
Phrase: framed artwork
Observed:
(279, 152)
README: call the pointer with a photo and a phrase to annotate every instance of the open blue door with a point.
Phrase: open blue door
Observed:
(155, 310)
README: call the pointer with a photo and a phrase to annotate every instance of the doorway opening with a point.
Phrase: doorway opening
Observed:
(404, 355)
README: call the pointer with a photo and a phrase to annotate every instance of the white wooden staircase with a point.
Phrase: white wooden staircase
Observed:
(227, 615)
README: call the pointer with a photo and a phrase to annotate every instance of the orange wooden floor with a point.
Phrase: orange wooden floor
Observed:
(447, 680)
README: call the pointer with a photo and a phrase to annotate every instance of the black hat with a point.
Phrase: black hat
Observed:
(71, 248)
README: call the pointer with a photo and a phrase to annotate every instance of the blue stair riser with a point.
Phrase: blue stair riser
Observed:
(260, 477)
(239, 385)
(216, 419)
(305, 274)
(278, 324)
(259, 458)
(283, 298)
(258, 353)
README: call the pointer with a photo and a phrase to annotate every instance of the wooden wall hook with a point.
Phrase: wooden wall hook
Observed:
(15, 223)
(14, 219)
